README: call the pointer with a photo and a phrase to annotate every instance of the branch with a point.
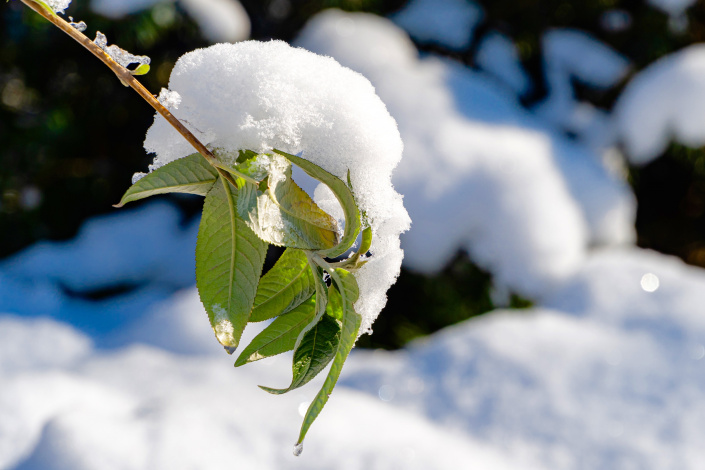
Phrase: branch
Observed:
(124, 75)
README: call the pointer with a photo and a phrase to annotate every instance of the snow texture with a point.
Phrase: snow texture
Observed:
(169, 99)
(664, 102)
(58, 6)
(119, 55)
(604, 375)
(449, 23)
(265, 95)
(477, 167)
(219, 20)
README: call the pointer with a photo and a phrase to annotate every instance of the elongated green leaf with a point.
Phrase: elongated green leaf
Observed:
(315, 346)
(316, 350)
(280, 336)
(344, 196)
(192, 174)
(284, 287)
(229, 259)
(351, 320)
(283, 214)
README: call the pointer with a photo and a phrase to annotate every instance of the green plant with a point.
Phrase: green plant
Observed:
(251, 201)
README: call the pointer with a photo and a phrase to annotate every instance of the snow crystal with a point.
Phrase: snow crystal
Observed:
(664, 101)
(58, 6)
(119, 55)
(447, 22)
(219, 20)
(477, 169)
(169, 99)
(264, 95)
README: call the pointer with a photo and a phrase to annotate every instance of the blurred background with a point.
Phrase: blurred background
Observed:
(554, 173)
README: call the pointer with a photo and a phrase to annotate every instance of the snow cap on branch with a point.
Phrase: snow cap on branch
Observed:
(264, 95)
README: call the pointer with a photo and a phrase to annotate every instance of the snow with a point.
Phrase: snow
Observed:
(169, 99)
(264, 95)
(449, 23)
(572, 54)
(604, 375)
(606, 371)
(219, 20)
(498, 56)
(675, 8)
(119, 55)
(58, 6)
(477, 167)
(664, 102)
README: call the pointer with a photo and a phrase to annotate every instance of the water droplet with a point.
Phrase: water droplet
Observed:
(698, 352)
(649, 282)
(298, 448)
(138, 176)
(230, 349)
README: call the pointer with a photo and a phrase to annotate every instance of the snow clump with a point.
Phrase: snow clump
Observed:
(265, 95)
(58, 6)
(664, 101)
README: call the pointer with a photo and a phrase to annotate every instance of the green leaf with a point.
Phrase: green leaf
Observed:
(351, 320)
(288, 284)
(316, 350)
(192, 174)
(315, 346)
(46, 7)
(283, 214)
(143, 69)
(281, 335)
(229, 259)
(345, 197)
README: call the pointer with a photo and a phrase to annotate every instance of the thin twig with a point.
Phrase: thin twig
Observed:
(124, 75)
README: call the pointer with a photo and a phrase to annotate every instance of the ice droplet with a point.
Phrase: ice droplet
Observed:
(298, 448)
(119, 55)
(138, 176)
(80, 26)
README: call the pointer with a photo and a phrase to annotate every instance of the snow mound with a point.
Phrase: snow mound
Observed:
(450, 23)
(141, 408)
(265, 95)
(664, 101)
(481, 172)
(615, 380)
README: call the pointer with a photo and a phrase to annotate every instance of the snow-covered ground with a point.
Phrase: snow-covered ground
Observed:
(606, 372)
